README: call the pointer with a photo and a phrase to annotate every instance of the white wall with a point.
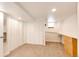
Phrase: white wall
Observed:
(69, 26)
(14, 33)
(34, 32)
(78, 26)
(55, 29)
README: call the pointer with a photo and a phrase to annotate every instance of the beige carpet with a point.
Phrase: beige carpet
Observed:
(28, 50)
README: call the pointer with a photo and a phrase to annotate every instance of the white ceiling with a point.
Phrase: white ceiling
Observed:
(14, 10)
(37, 10)
(42, 9)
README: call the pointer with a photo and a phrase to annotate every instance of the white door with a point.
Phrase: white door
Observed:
(1, 34)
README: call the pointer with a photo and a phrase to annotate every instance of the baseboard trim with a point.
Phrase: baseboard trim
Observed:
(35, 44)
(1, 53)
(12, 50)
(51, 42)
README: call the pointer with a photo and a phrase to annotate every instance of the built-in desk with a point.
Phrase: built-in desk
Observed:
(70, 44)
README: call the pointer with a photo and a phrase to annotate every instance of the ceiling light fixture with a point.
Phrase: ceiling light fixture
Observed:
(54, 9)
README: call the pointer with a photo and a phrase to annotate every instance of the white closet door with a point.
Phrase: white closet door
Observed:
(1, 33)
(14, 33)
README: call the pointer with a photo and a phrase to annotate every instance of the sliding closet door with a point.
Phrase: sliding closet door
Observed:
(1, 33)
(14, 33)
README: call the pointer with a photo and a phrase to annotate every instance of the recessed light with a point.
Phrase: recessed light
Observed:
(19, 18)
(54, 9)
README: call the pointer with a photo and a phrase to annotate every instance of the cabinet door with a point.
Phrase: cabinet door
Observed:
(74, 41)
(68, 46)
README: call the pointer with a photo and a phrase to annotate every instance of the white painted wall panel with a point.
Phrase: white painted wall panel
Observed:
(78, 27)
(14, 33)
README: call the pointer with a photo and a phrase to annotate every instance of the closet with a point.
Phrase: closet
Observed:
(5, 42)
